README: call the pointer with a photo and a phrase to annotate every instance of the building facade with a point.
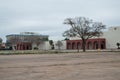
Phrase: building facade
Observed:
(107, 41)
(30, 40)
(90, 44)
(112, 36)
(26, 40)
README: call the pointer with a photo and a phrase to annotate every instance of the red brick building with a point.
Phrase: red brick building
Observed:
(96, 43)
(23, 46)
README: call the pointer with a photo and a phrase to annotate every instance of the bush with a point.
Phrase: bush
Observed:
(35, 48)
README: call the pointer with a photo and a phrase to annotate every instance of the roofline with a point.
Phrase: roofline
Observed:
(26, 35)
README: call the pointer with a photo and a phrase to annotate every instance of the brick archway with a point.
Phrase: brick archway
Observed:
(91, 44)
(78, 45)
(68, 45)
(96, 45)
(24, 46)
(73, 45)
(102, 46)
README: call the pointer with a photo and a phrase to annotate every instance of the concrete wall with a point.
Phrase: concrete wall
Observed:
(42, 46)
(62, 47)
(46, 46)
(112, 37)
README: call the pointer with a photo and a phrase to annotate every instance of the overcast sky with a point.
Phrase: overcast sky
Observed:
(47, 16)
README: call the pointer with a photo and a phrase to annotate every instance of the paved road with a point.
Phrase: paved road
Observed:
(73, 66)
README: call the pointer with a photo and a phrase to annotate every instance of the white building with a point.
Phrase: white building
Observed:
(27, 41)
(112, 36)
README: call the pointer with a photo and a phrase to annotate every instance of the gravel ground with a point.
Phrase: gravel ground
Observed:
(72, 66)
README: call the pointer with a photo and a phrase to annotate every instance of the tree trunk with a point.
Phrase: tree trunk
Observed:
(84, 45)
(78, 50)
(59, 48)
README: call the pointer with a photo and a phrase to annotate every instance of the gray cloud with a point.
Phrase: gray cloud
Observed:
(47, 16)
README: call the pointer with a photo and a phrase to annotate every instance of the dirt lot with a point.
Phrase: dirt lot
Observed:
(73, 66)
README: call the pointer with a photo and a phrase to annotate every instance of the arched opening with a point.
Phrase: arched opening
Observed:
(95, 45)
(89, 45)
(23, 47)
(28, 48)
(68, 46)
(78, 45)
(102, 45)
(73, 46)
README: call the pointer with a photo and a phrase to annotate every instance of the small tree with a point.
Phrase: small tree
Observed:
(35, 39)
(59, 44)
(1, 40)
(83, 28)
(118, 45)
(12, 42)
(51, 44)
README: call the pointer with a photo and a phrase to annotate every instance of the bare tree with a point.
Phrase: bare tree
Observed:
(59, 44)
(34, 39)
(12, 42)
(83, 28)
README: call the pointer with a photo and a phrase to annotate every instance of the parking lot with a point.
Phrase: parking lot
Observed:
(65, 66)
